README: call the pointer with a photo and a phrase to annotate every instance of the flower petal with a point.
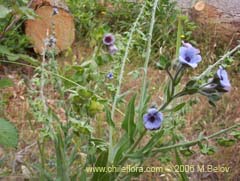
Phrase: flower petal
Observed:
(152, 126)
(182, 51)
(196, 59)
(152, 110)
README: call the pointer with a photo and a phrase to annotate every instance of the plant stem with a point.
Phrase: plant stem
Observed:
(144, 84)
(147, 58)
(42, 82)
(169, 74)
(124, 159)
(118, 91)
(210, 67)
(194, 142)
(179, 33)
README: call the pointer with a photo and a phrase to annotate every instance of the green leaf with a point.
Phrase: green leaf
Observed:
(153, 141)
(214, 97)
(80, 127)
(101, 162)
(99, 144)
(186, 151)
(207, 150)
(128, 124)
(8, 134)
(85, 94)
(139, 155)
(28, 12)
(191, 90)
(4, 50)
(28, 59)
(13, 57)
(226, 142)
(183, 174)
(212, 103)
(5, 82)
(191, 83)
(177, 108)
(119, 149)
(163, 63)
(4, 11)
(236, 134)
(109, 118)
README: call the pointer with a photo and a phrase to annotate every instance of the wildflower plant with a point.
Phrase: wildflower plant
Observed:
(78, 145)
(131, 131)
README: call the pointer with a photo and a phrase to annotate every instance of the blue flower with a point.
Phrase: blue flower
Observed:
(55, 11)
(218, 83)
(152, 119)
(189, 55)
(108, 39)
(112, 49)
(110, 75)
(224, 83)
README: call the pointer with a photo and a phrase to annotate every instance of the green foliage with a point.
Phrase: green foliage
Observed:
(128, 124)
(226, 142)
(207, 150)
(85, 15)
(8, 134)
(4, 11)
(5, 82)
(12, 38)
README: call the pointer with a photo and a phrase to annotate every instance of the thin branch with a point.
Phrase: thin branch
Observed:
(217, 62)
(194, 142)
(118, 91)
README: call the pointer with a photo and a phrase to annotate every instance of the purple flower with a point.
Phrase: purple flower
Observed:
(110, 75)
(224, 83)
(189, 55)
(55, 11)
(112, 49)
(108, 39)
(52, 41)
(152, 119)
(219, 83)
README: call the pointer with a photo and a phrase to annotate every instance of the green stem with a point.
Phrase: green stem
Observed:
(144, 84)
(169, 74)
(118, 91)
(210, 67)
(194, 142)
(147, 58)
(124, 159)
(179, 33)
(173, 83)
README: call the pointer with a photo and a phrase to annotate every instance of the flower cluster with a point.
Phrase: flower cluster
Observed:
(109, 40)
(189, 56)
